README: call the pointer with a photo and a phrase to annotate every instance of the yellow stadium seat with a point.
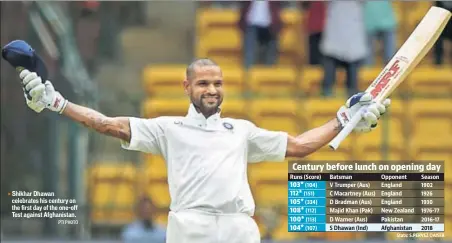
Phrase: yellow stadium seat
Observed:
(447, 227)
(430, 152)
(267, 170)
(367, 76)
(274, 115)
(431, 122)
(159, 192)
(432, 81)
(291, 18)
(431, 130)
(207, 19)
(155, 167)
(448, 191)
(318, 112)
(161, 218)
(234, 108)
(448, 173)
(311, 79)
(112, 191)
(272, 81)
(165, 107)
(416, 13)
(280, 114)
(221, 45)
(398, 10)
(390, 132)
(290, 42)
(233, 80)
(164, 80)
(289, 47)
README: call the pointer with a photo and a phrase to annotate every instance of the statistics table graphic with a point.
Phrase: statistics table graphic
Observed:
(366, 196)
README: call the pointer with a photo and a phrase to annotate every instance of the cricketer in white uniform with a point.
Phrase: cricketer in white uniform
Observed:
(206, 154)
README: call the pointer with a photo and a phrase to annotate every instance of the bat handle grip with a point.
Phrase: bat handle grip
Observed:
(348, 128)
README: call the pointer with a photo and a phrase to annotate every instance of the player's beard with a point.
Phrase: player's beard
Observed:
(208, 105)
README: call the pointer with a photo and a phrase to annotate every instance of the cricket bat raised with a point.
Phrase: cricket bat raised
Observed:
(402, 64)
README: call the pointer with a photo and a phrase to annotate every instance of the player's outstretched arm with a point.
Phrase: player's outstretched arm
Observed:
(314, 139)
(40, 96)
(117, 127)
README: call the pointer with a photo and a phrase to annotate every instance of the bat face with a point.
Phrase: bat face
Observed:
(410, 54)
(404, 61)
(385, 78)
(389, 77)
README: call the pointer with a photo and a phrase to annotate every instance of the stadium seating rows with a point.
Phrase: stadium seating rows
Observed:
(220, 39)
(413, 129)
(112, 191)
(166, 81)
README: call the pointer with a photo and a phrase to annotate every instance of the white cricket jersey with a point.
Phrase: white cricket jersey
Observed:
(207, 158)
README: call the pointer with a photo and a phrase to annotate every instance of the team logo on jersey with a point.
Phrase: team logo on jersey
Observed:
(228, 126)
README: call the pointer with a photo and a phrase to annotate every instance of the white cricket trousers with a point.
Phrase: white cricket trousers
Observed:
(199, 227)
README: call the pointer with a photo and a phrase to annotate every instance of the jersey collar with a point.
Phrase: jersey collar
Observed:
(193, 113)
